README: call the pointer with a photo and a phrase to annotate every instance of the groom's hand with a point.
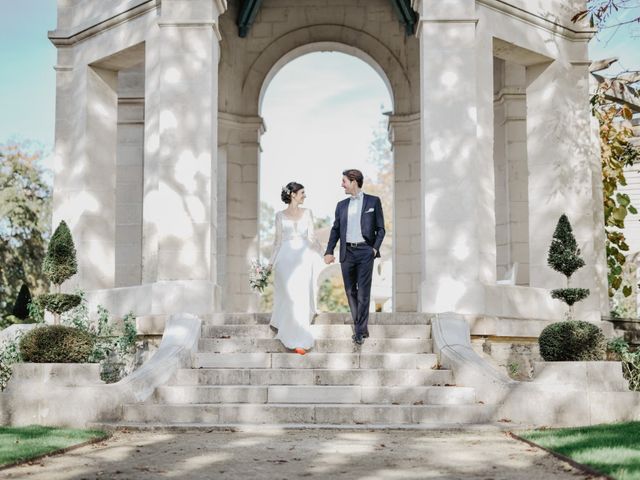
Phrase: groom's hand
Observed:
(328, 259)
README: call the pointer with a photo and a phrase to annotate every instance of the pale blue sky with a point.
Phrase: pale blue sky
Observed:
(341, 103)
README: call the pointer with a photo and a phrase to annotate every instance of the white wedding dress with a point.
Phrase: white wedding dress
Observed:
(296, 260)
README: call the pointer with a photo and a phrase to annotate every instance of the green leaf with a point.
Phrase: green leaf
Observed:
(632, 210)
(619, 213)
(626, 290)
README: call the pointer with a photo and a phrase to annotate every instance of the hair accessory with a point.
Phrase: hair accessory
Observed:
(286, 190)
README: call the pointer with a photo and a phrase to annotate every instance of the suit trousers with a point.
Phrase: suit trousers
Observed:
(357, 270)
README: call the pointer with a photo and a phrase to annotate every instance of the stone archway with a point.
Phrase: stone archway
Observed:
(242, 240)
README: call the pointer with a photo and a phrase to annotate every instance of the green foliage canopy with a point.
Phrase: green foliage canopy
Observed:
(25, 212)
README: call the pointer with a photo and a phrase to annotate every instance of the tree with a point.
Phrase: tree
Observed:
(611, 104)
(564, 257)
(601, 13)
(21, 307)
(381, 157)
(25, 212)
(59, 265)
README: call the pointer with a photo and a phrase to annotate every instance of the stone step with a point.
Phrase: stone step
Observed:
(338, 361)
(319, 331)
(308, 376)
(315, 394)
(375, 318)
(341, 414)
(322, 345)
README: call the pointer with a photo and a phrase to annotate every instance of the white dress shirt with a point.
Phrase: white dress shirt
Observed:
(354, 231)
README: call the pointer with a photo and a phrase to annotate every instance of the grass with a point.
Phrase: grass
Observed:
(22, 443)
(613, 449)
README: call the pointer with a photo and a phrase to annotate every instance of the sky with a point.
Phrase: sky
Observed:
(320, 109)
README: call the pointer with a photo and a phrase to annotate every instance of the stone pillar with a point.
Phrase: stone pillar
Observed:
(181, 84)
(240, 140)
(564, 176)
(404, 132)
(451, 173)
(510, 146)
(84, 189)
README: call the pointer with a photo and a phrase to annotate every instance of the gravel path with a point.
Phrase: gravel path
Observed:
(487, 454)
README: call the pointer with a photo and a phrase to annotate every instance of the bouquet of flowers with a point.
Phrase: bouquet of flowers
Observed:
(259, 274)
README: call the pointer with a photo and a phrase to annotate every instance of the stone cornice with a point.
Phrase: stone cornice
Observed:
(537, 20)
(190, 24)
(61, 38)
(507, 8)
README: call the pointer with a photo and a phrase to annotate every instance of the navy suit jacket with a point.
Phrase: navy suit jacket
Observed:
(371, 224)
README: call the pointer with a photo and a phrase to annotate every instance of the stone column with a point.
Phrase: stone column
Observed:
(240, 140)
(564, 176)
(179, 231)
(512, 199)
(85, 180)
(404, 132)
(451, 173)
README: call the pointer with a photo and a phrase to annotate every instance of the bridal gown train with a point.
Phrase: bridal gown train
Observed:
(296, 260)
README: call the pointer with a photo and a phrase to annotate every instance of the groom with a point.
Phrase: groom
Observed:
(359, 224)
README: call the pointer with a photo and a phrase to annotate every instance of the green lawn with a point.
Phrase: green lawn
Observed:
(23, 443)
(613, 449)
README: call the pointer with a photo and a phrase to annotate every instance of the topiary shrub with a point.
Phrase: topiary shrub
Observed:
(59, 265)
(572, 341)
(56, 344)
(564, 257)
(59, 302)
(60, 262)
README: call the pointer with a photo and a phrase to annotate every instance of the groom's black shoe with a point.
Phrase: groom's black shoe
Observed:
(358, 339)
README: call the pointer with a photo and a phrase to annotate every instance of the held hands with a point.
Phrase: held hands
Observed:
(329, 259)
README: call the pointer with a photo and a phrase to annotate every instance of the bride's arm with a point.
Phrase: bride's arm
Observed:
(277, 240)
(311, 232)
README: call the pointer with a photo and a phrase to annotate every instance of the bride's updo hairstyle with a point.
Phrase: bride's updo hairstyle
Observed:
(288, 189)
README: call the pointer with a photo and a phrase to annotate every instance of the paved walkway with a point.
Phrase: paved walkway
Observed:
(290, 454)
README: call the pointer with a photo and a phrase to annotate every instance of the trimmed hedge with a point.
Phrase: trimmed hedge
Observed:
(60, 261)
(56, 344)
(572, 341)
(58, 302)
(570, 295)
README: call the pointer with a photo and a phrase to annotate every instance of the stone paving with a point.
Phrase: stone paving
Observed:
(266, 453)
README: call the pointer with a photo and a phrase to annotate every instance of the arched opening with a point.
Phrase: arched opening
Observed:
(324, 108)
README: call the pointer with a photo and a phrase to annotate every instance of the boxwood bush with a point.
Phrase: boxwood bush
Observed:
(572, 341)
(59, 302)
(56, 344)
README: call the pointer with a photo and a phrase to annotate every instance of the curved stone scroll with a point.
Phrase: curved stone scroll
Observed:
(76, 406)
(452, 342)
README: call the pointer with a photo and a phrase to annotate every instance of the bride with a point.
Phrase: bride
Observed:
(295, 259)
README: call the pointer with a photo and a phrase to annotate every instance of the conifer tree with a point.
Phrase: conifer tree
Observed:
(60, 261)
(564, 257)
(21, 307)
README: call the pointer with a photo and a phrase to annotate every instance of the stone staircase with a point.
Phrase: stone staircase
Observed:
(241, 375)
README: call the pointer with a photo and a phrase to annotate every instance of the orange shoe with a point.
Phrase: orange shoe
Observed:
(300, 351)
